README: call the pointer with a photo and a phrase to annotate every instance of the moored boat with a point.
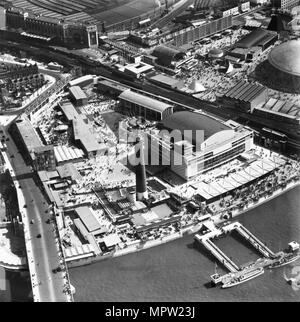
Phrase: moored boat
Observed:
(245, 277)
(285, 260)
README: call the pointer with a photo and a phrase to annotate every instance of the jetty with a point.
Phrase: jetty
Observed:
(237, 274)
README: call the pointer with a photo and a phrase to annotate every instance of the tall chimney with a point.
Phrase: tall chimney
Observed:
(140, 171)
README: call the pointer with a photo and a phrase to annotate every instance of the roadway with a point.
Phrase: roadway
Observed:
(43, 252)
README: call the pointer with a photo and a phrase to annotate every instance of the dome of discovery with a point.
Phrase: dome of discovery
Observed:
(286, 57)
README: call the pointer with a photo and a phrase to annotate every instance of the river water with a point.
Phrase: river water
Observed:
(180, 271)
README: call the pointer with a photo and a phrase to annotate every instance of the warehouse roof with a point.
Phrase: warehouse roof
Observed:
(145, 101)
(245, 91)
(280, 107)
(256, 38)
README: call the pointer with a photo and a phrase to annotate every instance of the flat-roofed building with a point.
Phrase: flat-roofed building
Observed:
(85, 137)
(167, 81)
(78, 96)
(83, 133)
(144, 106)
(68, 172)
(139, 69)
(33, 151)
(89, 220)
(246, 96)
(70, 112)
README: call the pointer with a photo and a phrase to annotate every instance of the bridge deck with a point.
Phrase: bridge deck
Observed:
(43, 253)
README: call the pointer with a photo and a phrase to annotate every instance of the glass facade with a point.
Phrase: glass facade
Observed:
(212, 162)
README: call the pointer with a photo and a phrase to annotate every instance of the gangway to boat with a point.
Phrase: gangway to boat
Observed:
(216, 251)
(254, 241)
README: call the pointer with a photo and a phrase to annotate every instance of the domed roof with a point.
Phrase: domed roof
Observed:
(215, 51)
(286, 57)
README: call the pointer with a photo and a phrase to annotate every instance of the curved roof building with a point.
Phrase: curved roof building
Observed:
(282, 69)
(215, 132)
(194, 121)
(257, 38)
(216, 53)
(166, 55)
(286, 58)
(190, 152)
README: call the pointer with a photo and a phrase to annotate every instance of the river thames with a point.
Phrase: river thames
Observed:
(180, 271)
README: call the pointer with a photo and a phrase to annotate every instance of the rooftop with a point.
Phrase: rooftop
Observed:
(139, 68)
(280, 107)
(145, 101)
(286, 57)
(29, 135)
(77, 92)
(166, 54)
(245, 91)
(195, 121)
(112, 84)
(80, 80)
(257, 37)
(88, 218)
(84, 133)
(68, 170)
(168, 80)
(69, 110)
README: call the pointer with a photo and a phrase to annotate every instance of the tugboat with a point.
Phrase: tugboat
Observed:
(245, 277)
